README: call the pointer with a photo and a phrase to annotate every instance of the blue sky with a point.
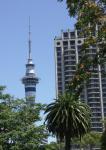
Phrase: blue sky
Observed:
(48, 17)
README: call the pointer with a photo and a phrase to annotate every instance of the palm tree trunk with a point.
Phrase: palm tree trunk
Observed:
(67, 142)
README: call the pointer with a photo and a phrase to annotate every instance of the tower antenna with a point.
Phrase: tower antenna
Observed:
(29, 42)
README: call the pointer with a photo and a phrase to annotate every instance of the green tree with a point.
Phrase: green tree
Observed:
(91, 21)
(18, 124)
(52, 146)
(67, 117)
(103, 138)
(91, 140)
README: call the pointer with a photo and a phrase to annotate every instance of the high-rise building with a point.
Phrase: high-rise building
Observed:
(30, 80)
(67, 55)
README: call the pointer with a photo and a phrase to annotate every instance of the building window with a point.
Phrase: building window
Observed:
(59, 74)
(58, 43)
(72, 42)
(58, 53)
(59, 63)
(72, 34)
(72, 57)
(79, 47)
(67, 68)
(60, 88)
(66, 53)
(65, 43)
(59, 83)
(72, 51)
(94, 50)
(70, 62)
(59, 69)
(95, 119)
(80, 34)
(65, 34)
(104, 90)
(58, 49)
(65, 47)
(79, 41)
(104, 94)
(72, 47)
(59, 59)
(30, 89)
(69, 52)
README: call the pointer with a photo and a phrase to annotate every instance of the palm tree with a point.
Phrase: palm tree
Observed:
(67, 117)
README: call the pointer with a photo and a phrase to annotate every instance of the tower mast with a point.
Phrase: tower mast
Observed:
(30, 80)
(29, 57)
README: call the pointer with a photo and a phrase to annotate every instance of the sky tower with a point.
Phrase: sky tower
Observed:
(30, 80)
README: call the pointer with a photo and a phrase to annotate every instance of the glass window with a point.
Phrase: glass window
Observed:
(59, 69)
(58, 53)
(59, 88)
(58, 43)
(65, 47)
(65, 34)
(72, 52)
(72, 34)
(65, 43)
(79, 41)
(79, 47)
(72, 42)
(30, 89)
(72, 47)
(58, 48)
(59, 59)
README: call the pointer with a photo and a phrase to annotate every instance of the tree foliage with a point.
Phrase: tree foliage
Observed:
(103, 139)
(52, 146)
(91, 22)
(18, 124)
(91, 140)
(67, 118)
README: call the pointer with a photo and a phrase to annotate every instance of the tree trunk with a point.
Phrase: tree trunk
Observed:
(91, 146)
(67, 142)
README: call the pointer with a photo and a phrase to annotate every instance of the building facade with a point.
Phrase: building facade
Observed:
(30, 80)
(67, 55)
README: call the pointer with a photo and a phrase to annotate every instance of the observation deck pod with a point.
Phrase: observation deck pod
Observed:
(30, 80)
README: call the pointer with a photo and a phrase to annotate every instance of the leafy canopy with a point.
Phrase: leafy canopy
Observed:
(91, 22)
(18, 124)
